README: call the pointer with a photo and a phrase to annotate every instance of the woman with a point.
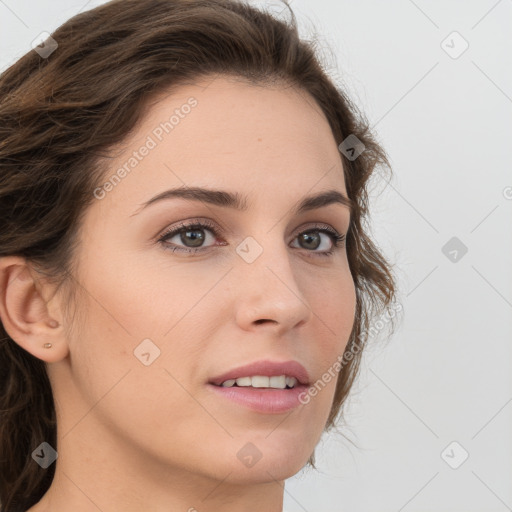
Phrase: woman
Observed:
(186, 281)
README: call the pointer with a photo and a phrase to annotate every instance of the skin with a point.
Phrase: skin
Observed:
(133, 437)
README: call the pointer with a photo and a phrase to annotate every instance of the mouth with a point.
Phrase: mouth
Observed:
(265, 386)
(264, 373)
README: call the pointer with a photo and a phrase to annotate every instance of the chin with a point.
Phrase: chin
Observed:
(263, 473)
(266, 464)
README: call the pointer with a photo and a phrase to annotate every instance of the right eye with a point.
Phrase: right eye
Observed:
(189, 232)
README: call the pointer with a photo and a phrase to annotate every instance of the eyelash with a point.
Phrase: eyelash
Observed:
(338, 240)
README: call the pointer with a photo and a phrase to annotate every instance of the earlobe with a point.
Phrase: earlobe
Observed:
(24, 312)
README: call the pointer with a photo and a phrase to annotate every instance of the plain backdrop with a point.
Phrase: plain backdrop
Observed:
(431, 414)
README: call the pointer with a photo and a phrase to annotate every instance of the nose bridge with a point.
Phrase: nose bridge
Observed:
(266, 254)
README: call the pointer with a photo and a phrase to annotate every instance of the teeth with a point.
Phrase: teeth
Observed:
(244, 381)
(260, 381)
(291, 382)
(278, 382)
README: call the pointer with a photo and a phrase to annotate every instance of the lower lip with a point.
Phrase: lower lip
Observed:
(264, 400)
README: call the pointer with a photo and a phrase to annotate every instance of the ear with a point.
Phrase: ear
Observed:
(25, 313)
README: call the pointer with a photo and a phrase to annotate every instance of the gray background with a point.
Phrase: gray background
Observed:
(445, 376)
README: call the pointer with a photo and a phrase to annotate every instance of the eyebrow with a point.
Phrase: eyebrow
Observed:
(238, 202)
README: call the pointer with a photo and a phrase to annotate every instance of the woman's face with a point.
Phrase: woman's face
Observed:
(161, 323)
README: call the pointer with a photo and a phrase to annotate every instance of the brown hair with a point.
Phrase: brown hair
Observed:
(60, 113)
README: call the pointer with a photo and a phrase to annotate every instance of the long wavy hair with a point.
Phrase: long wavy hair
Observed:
(60, 114)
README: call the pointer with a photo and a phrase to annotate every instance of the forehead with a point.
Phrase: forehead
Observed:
(224, 133)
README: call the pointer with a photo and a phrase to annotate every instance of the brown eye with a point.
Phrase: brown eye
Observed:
(192, 236)
(311, 240)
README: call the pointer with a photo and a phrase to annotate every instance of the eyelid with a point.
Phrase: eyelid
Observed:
(186, 224)
(215, 226)
(221, 229)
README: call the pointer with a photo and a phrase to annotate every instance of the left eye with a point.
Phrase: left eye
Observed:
(192, 235)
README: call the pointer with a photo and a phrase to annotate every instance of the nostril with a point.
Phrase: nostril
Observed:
(262, 320)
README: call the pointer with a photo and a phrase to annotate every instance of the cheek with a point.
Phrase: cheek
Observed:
(333, 305)
(335, 310)
(155, 297)
(152, 405)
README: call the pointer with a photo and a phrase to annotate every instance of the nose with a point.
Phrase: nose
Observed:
(270, 291)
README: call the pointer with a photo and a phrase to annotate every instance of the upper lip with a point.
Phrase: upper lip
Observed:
(266, 368)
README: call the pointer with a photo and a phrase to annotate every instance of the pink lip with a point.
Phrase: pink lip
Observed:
(264, 400)
(266, 368)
